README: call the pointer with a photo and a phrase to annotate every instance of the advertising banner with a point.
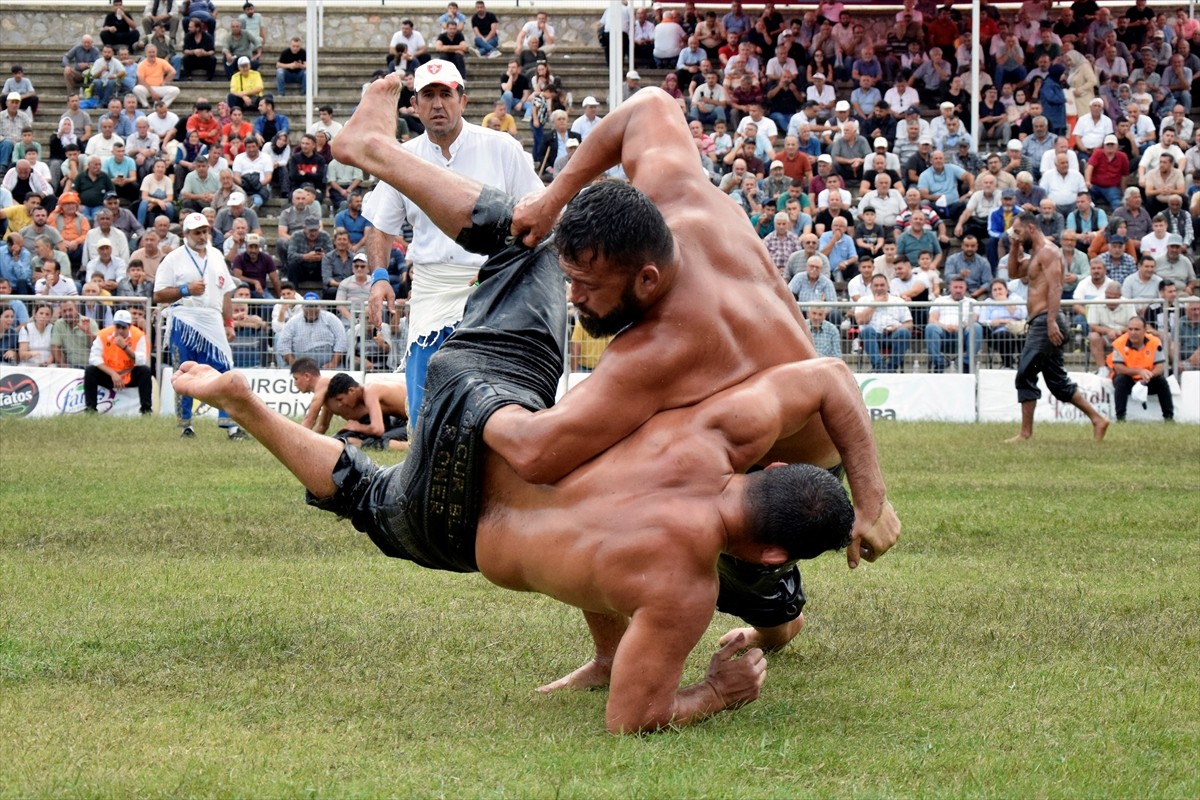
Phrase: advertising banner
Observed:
(946, 398)
(50, 391)
(998, 400)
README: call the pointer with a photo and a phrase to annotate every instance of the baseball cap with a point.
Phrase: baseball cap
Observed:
(590, 101)
(103, 241)
(912, 111)
(963, 141)
(881, 142)
(68, 197)
(1014, 144)
(1110, 139)
(312, 224)
(111, 196)
(437, 71)
(842, 105)
(194, 220)
(243, 62)
(122, 317)
(237, 199)
(1157, 35)
(311, 296)
(253, 238)
(1174, 240)
(924, 140)
(775, 164)
(572, 143)
(825, 159)
(1096, 101)
(1010, 194)
(14, 96)
(947, 106)
(1120, 240)
(633, 75)
(360, 257)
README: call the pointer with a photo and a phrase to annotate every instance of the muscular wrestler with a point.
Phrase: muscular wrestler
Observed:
(376, 415)
(667, 261)
(632, 536)
(1032, 255)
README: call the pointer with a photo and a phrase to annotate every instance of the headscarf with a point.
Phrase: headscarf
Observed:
(69, 137)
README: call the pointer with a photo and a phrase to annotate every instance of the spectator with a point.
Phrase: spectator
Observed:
(13, 121)
(257, 269)
(270, 124)
(413, 43)
(239, 44)
(917, 239)
(537, 28)
(33, 341)
(293, 220)
(1154, 244)
(143, 147)
(337, 265)
(306, 251)
(135, 283)
(485, 27)
(1176, 267)
(1063, 185)
(21, 86)
(451, 45)
(313, 333)
(949, 318)
(77, 62)
(162, 13)
(123, 219)
(1189, 335)
(16, 264)
(198, 52)
(351, 220)
(245, 86)
(253, 171)
(1106, 322)
(887, 324)
(354, 290)
(104, 229)
(1137, 359)
(825, 335)
(308, 167)
(1003, 322)
(782, 242)
(250, 331)
(292, 67)
(158, 194)
(91, 185)
(1087, 220)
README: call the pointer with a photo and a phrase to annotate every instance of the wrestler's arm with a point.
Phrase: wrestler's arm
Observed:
(623, 392)
(374, 412)
(779, 402)
(317, 405)
(648, 137)
(644, 693)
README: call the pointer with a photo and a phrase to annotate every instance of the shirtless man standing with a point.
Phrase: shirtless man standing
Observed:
(632, 536)
(1043, 343)
(696, 298)
(376, 415)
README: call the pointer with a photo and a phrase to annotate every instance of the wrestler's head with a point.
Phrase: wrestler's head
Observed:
(615, 247)
(1024, 228)
(798, 508)
(305, 373)
(343, 392)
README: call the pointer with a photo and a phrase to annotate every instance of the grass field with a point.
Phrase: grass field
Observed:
(173, 621)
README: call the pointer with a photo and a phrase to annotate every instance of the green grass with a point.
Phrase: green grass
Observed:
(174, 621)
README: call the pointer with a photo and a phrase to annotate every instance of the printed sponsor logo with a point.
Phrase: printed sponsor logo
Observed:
(18, 395)
(875, 398)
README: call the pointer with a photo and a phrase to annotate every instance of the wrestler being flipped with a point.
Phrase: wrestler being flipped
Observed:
(671, 503)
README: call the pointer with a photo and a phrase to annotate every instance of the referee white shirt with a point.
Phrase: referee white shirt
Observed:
(444, 270)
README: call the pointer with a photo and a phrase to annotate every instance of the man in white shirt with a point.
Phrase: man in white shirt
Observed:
(948, 319)
(253, 161)
(1091, 128)
(444, 271)
(1063, 185)
(414, 43)
(887, 202)
(889, 324)
(591, 118)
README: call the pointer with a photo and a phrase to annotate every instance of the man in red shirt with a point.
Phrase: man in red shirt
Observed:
(1106, 169)
(204, 123)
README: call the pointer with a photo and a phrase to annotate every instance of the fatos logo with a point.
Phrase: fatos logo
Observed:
(71, 400)
(875, 397)
(18, 395)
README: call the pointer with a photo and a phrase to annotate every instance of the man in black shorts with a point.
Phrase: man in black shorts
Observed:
(633, 535)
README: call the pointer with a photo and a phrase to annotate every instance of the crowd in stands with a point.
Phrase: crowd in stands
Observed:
(850, 152)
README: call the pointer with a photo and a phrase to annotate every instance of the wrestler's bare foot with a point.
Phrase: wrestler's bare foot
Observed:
(1020, 437)
(372, 129)
(1099, 428)
(591, 675)
(224, 390)
(769, 639)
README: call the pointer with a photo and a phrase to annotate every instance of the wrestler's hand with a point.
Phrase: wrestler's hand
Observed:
(534, 218)
(592, 675)
(1053, 333)
(737, 681)
(871, 539)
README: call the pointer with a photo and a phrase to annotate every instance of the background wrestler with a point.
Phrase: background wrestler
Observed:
(641, 554)
(376, 415)
(306, 374)
(713, 281)
(1043, 342)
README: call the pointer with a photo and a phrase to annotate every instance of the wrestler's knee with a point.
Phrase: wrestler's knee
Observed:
(491, 223)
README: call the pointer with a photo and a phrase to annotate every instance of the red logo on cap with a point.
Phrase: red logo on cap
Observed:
(435, 68)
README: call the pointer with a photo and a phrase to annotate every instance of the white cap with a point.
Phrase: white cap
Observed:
(253, 238)
(437, 71)
(103, 241)
(1096, 101)
(947, 105)
(881, 142)
(1110, 139)
(842, 106)
(633, 75)
(122, 317)
(590, 101)
(776, 163)
(572, 143)
(825, 159)
(194, 220)
(237, 199)
(243, 62)
(360, 257)
(14, 96)
(924, 140)
(1014, 144)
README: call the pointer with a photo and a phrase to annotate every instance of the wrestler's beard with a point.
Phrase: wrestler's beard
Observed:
(627, 312)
